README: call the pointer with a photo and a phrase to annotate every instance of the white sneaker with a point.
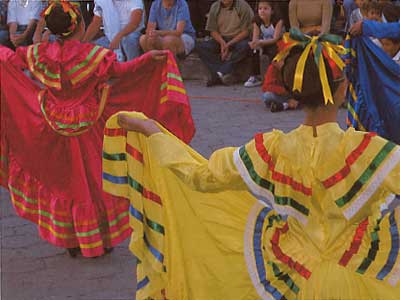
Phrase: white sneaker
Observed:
(252, 82)
(120, 55)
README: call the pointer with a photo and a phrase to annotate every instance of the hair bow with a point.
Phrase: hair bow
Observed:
(69, 8)
(326, 45)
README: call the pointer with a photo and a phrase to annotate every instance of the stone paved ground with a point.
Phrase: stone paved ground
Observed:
(31, 269)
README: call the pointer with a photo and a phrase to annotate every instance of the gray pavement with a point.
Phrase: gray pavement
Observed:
(33, 269)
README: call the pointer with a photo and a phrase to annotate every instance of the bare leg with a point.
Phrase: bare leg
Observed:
(173, 43)
(150, 43)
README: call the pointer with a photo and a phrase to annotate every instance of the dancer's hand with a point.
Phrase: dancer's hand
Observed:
(159, 54)
(356, 29)
(145, 127)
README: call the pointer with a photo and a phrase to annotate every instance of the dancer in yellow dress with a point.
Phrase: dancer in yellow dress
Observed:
(304, 215)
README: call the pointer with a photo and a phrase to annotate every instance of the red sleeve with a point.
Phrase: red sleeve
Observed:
(14, 58)
(272, 81)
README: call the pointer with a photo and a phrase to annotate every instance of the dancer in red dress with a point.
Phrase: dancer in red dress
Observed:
(52, 124)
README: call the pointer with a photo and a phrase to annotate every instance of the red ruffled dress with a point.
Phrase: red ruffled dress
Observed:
(52, 123)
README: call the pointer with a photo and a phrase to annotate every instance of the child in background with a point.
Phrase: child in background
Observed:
(267, 30)
(275, 95)
(374, 13)
(392, 48)
(358, 14)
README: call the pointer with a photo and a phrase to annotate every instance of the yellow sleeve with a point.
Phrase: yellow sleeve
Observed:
(217, 174)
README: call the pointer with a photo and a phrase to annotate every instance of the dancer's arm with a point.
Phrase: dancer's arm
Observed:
(376, 29)
(219, 173)
(13, 58)
(121, 69)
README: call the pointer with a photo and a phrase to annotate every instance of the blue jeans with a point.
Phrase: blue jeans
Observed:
(5, 38)
(268, 97)
(129, 44)
(210, 54)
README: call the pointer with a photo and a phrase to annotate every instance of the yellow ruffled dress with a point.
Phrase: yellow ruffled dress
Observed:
(286, 216)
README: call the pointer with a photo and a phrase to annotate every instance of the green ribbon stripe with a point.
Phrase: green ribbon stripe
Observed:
(268, 185)
(74, 126)
(85, 62)
(284, 277)
(114, 157)
(163, 86)
(175, 76)
(42, 66)
(155, 226)
(367, 175)
(373, 250)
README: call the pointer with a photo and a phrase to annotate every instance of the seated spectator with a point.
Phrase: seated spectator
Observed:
(87, 10)
(359, 14)
(275, 95)
(4, 35)
(267, 30)
(169, 27)
(123, 21)
(229, 23)
(392, 48)
(391, 12)
(311, 16)
(373, 11)
(22, 17)
(348, 6)
(198, 14)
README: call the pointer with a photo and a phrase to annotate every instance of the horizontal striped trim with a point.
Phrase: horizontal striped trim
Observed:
(394, 250)
(113, 132)
(91, 67)
(254, 254)
(350, 160)
(40, 76)
(284, 277)
(157, 254)
(174, 76)
(74, 126)
(135, 153)
(282, 257)
(355, 243)
(153, 225)
(85, 62)
(143, 283)
(279, 177)
(42, 66)
(373, 250)
(264, 189)
(367, 175)
(376, 181)
(134, 184)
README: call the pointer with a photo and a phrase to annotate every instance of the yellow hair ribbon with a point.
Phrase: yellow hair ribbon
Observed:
(324, 81)
(298, 76)
(332, 51)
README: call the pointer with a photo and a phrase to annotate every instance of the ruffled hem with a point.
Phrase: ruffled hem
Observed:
(64, 223)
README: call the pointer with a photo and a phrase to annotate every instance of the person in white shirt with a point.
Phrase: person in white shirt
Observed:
(123, 21)
(22, 17)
